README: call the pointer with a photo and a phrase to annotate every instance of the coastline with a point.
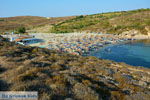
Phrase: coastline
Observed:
(42, 68)
(134, 52)
(78, 43)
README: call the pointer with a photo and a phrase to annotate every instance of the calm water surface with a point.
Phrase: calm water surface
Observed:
(136, 53)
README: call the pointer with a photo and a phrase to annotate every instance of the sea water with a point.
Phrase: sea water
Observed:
(136, 53)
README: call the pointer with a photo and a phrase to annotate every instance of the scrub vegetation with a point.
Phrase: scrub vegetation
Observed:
(62, 76)
(111, 22)
(8, 24)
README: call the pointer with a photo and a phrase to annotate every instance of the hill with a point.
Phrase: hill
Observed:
(113, 22)
(135, 21)
(61, 76)
(30, 22)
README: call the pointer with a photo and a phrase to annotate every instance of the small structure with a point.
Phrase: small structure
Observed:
(28, 41)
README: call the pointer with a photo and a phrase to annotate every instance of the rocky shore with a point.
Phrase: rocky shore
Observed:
(62, 76)
(77, 43)
(135, 34)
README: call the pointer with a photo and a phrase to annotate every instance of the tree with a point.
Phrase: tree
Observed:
(79, 17)
(21, 30)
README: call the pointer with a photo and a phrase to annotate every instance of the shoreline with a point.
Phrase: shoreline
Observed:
(45, 68)
(136, 56)
(78, 43)
(75, 44)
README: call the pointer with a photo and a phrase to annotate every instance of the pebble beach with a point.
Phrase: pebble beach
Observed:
(76, 43)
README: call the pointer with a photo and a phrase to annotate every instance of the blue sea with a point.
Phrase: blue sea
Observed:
(136, 53)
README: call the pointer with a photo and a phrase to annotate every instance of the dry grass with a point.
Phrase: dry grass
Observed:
(30, 22)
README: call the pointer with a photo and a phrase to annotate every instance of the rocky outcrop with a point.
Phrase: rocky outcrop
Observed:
(148, 30)
(135, 34)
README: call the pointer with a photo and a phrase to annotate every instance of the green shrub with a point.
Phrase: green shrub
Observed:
(79, 17)
(21, 30)
(1, 19)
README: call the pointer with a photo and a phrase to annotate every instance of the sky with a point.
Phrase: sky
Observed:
(59, 8)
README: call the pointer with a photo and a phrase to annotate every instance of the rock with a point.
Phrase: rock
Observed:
(85, 93)
(71, 79)
(142, 83)
(69, 99)
(139, 96)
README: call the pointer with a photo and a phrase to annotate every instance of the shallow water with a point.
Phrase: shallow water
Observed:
(136, 53)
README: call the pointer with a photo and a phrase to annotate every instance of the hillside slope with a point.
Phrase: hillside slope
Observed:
(30, 22)
(61, 76)
(115, 22)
